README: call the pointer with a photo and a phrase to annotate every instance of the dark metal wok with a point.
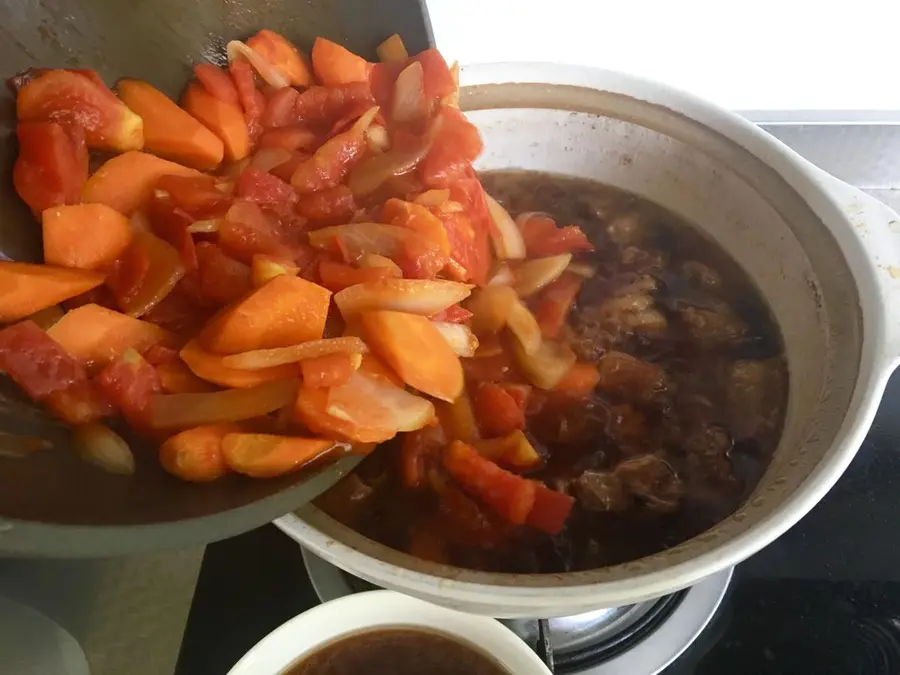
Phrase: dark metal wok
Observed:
(52, 503)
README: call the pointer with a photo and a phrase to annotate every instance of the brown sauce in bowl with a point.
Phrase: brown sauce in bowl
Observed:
(397, 651)
(675, 447)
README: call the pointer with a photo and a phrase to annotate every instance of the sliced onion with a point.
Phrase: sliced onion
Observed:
(14, 446)
(266, 358)
(372, 173)
(268, 158)
(416, 296)
(373, 260)
(508, 241)
(182, 411)
(235, 169)
(392, 50)
(204, 226)
(269, 73)
(433, 197)
(537, 274)
(582, 270)
(362, 238)
(490, 307)
(375, 402)
(140, 222)
(460, 337)
(524, 327)
(451, 206)
(409, 102)
(548, 365)
(104, 448)
(377, 139)
(503, 276)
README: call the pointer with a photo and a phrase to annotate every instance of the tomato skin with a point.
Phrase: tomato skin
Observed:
(52, 165)
(217, 83)
(337, 276)
(258, 186)
(129, 274)
(129, 382)
(438, 79)
(555, 302)
(543, 237)
(170, 222)
(247, 230)
(222, 279)
(457, 145)
(197, 195)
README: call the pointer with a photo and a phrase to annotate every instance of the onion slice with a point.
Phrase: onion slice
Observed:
(266, 358)
(269, 73)
(361, 238)
(524, 327)
(267, 159)
(386, 406)
(546, 366)
(182, 411)
(205, 226)
(409, 102)
(582, 270)
(104, 448)
(507, 239)
(535, 275)
(415, 296)
(460, 337)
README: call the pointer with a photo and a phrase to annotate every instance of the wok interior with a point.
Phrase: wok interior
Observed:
(157, 41)
(742, 205)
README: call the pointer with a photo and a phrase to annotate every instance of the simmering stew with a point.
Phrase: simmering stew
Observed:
(398, 651)
(670, 428)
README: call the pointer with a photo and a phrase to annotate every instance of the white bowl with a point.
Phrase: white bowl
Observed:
(306, 633)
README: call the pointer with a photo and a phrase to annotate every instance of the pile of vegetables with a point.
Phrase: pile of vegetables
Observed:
(296, 262)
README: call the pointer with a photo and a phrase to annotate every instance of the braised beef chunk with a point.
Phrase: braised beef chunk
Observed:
(679, 409)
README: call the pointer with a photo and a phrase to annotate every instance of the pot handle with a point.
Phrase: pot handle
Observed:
(877, 227)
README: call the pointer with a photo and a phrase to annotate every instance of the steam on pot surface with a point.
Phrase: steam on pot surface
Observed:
(662, 429)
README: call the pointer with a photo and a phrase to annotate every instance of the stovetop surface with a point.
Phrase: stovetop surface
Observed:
(824, 599)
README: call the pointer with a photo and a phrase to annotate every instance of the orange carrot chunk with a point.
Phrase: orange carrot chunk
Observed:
(412, 346)
(126, 182)
(26, 288)
(196, 454)
(87, 236)
(268, 456)
(96, 335)
(285, 311)
(330, 370)
(224, 119)
(334, 64)
(169, 131)
(210, 368)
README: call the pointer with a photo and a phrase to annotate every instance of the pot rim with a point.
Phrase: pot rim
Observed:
(377, 562)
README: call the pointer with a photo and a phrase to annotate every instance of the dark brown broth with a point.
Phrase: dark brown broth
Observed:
(700, 446)
(398, 651)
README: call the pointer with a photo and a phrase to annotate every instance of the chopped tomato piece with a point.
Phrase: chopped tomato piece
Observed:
(283, 55)
(439, 80)
(551, 509)
(457, 145)
(327, 207)
(170, 222)
(555, 302)
(264, 188)
(323, 105)
(36, 362)
(217, 83)
(292, 138)
(338, 276)
(497, 410)
(128, 383)
(222, 279)
(419, 448)
(511, 496)
(197, 195)
(280, 108)
(247, 230)
(335, 65)
(543, 237)
(147, 273)
(245, 85)
(81, 403)
(76, 99)
(52, 165)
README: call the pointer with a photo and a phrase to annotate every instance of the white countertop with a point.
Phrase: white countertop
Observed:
(767, 56)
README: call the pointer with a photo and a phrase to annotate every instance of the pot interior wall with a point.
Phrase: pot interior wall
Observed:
(742, 205)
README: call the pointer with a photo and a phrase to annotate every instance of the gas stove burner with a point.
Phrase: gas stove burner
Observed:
(640, 639)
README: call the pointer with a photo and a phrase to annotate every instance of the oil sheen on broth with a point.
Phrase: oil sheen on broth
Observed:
(649, 466)
(398, 651)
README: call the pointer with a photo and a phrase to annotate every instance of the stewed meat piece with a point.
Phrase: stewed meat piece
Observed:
(701, 276)
(755, 395)
(600, 491)
(652, 480)
(713, 326)
(629, 378)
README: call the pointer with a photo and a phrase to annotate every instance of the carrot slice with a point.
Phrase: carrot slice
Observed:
(412, 346)
(169, 131)
(96, 335)
(267, 358)
(267, 456)
(283, 55)
(87, 236)
(177, 378)
(28, 288)
(417, 218)
(196, 454)
(224, 119)
(211, 368)
(338, 276)
(334, 64)
(311, 409)
(285, 311)
(126, 182)
(331, 370)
